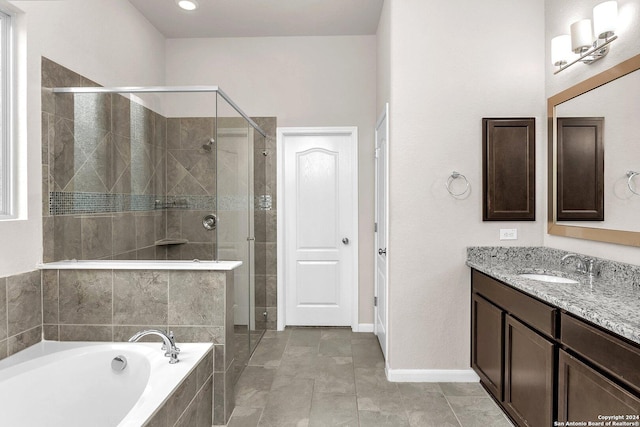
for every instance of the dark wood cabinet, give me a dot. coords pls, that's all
(544, 365)
(614, 356)
(508, 164)
(529, 373)
(515, 363)
(487, 344)
(584, 394)
(580, 163)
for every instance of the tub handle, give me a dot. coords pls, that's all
(119, 363)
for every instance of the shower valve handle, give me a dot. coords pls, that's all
(209, 222)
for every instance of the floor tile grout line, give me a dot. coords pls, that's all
(452, 410)
(355, 384)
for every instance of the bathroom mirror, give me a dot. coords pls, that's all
(615, 96)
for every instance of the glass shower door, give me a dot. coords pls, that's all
(234, 198)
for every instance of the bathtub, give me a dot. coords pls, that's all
(73, 384)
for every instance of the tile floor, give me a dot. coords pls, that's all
(334, 377)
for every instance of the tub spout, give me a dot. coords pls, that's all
(171, 351)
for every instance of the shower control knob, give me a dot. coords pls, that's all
(209, 222)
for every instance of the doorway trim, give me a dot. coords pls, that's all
(382, 128)
(282, 133)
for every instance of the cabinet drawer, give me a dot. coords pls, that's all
(611, 354)
(537, 314)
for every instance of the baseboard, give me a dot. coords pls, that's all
(432, 375)
(364, 327)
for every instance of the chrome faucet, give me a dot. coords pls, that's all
(586, 265)
(169, 346)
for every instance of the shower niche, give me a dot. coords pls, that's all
(139, 173)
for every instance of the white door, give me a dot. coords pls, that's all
(318, 221)
(381, 294)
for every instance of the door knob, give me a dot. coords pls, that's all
(382, 251)
(345, 240)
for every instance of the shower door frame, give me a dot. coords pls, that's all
(162, 89)
(184, 89)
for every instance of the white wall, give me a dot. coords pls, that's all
(303, 81)
(451, 65)
(558, 18)
(383, 44)
(105, 40)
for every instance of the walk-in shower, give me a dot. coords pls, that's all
(162, 173)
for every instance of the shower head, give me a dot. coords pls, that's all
(209, 145)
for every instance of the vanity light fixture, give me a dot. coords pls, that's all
(187, 4)
(581, 45)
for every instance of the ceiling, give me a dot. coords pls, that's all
(263, 18)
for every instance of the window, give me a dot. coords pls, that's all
(6, 175)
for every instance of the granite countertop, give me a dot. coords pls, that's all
(610, 301)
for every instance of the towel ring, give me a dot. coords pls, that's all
(455, 175)
(632, 174)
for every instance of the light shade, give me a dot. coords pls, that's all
(560, 49)
(581, 36)
(187, 4)
(605, 17)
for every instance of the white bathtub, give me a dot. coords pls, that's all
(72, 383)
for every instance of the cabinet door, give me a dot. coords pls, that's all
(580, 169)
(529, 373)
(583, 393)
(486, 344)
(509, 168)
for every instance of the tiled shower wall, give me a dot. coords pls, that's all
(191, 182)
(103, 167)
(265, 157)
(118, 177)
(20, 312)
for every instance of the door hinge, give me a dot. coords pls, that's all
(375, 227)
(375, 301)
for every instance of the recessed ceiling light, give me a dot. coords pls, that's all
(187, 4)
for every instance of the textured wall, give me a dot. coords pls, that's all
(439, 95)
(103, 167)
(20, 312)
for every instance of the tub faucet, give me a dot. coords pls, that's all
(585, 265)
(169, 346)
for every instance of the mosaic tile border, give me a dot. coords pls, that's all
(73, 203)
(68, 203)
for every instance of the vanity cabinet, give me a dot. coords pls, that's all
(599, 375)
(584, 393)
(544, 365)
(512, 349)
(487, 345)
(529, 372)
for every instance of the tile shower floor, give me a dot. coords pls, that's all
(334, 377)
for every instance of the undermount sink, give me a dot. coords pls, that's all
(547, 278)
